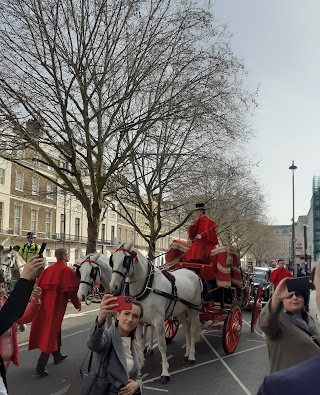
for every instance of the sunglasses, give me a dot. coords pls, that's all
(298, 294)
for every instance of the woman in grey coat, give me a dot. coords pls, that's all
(120, 365)
(292, 335)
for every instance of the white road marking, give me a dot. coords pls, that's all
(184, 346)
(205, 363)
(255, 331)
(62, 337)
(154, 389)
(245, 389)
(144, 376)
(82, 313)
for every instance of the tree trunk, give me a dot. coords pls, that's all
(93, 228)
(152, 250)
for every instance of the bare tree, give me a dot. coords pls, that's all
(83, 82)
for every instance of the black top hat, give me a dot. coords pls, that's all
(200, 206)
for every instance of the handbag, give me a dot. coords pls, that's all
(92, 383)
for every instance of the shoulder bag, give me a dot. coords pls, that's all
(92, 383)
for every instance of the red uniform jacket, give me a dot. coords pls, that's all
(278, 274)
(201, 248)
(59, 284)
(27, 317)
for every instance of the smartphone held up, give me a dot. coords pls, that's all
(42, 248)
(301, 284)
(125, 302)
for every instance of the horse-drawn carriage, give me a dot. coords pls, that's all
(226, 292)
(214, 292)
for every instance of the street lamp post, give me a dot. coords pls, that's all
(293, 168)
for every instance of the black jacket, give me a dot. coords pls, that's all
(13, 309)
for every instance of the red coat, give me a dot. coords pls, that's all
(27, 317)
(279, 274)
(59, 284)
(201, 248)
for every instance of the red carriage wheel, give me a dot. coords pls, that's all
(171, 329)
(232, 329)
(256, 307)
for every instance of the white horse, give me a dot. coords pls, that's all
(158, 297)
(10, 263)
(93, 269)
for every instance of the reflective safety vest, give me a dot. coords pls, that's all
(27, 251)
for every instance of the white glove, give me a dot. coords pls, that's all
(199, 237)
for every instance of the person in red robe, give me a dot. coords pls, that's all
(59, 283)
(203, 235)
(278, 274)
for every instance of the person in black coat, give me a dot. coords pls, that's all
(18, 300)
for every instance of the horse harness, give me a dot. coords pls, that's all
(147, 288)
(93, 273)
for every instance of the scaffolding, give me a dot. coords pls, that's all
(316, 216)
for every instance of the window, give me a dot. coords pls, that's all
(77, 228)
(19, 182)
(35, 160)
(34, 220)
(112, 234)
(17, 220)
(119, 235)
(62, 225)
(103, 232)
(1, 214)
(35, 186)
(1, 176)
(48, 252)
(49, 191)
(126, 233)
(20, 154)
(48, 224)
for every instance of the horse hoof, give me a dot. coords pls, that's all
(164, 379)
(149, 352)
(185, 359)
(191, 361)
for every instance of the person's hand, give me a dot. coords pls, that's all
(281, 292)
(199, 237)
(33, 268)
(36, 293)
(107, 305)
(130, 388)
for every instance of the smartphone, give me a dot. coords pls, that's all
(42, 248)
(125, 302)
(298, 284)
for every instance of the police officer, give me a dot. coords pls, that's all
(30, 248)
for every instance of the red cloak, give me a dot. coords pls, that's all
(278, 275)
(201, 248)
(59, 284)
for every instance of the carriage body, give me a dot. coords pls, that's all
(225, 293)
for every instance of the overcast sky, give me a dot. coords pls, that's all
(279, 41)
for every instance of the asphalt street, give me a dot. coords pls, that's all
(213, 373)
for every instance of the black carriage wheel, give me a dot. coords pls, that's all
(171, 329)
(256, 307)
(232, 329)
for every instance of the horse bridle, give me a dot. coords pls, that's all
(127, 261)
(93, 273)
